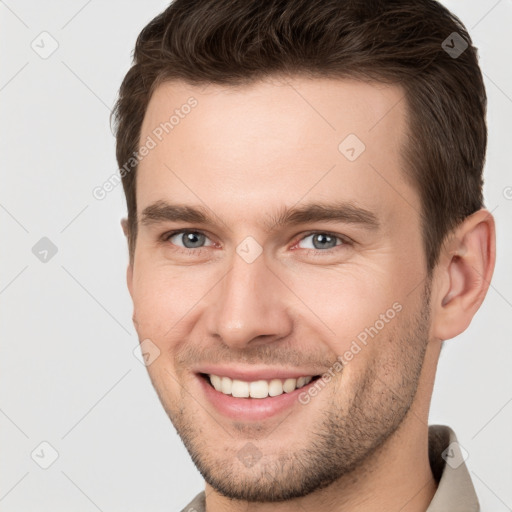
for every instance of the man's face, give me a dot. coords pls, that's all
(244, 292)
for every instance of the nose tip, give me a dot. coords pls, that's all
(249, 307)
(244, 325)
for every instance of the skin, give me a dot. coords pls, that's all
(245, 153)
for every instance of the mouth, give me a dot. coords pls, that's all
(262, 405)
(258, 389)
(253, 394)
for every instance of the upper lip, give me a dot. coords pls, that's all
(252, 374)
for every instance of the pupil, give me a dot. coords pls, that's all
(321, 238)
(189, 238)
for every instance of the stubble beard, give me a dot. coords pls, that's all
(341, 439)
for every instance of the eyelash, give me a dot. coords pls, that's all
(316, 252)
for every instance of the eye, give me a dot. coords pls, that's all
(323, 241)
(190, 239)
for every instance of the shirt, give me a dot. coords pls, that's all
(455, 491)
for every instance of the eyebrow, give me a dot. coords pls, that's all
(343, 212)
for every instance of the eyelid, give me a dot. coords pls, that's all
(345, 239)
(168, 234)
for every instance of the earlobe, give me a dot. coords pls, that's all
(129, 270)
(124, 225)
(129, 279)
(466, 268)
(129, 282)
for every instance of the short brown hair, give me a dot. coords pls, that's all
(403, 42)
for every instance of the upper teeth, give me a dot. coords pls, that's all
(258, 388)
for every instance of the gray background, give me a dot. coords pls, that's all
(69, 376)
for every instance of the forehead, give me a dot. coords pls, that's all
(275, 142)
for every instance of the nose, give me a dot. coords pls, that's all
(249, 305)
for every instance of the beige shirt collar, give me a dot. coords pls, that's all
(455, 491)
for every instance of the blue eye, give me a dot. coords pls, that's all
(191, 239)
(193, 242)
(321, 241)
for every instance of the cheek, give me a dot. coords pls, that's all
(350, 303)
(161, 297)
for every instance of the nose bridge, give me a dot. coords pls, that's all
(248, 303)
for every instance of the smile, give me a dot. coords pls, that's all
(258, 388)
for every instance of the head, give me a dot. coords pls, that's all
(251, 133)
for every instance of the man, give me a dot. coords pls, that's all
(305, 228)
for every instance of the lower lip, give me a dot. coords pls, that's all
(251, 409)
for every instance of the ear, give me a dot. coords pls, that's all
(124, 225)
(129, 270)
(129, 278)
(463, 274)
